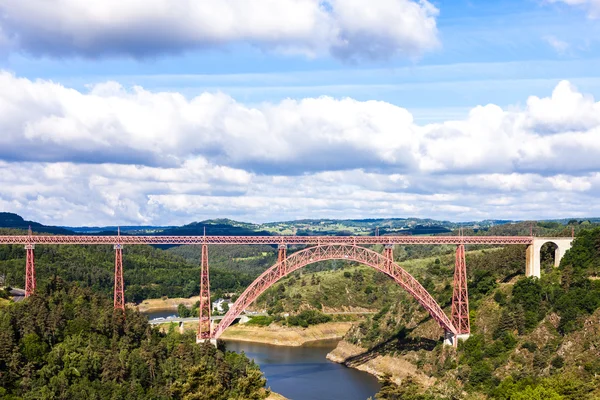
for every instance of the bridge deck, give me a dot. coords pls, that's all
(270, 240)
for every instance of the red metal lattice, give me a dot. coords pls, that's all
(119, 293)
(273, 240)
(460, 296)
(282, 259)
(30, 281)
(29, 271)
(330, 252)
(205, 304)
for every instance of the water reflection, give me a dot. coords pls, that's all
(303, 373)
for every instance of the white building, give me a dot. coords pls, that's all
(219, 305)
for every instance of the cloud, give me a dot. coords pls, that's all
(348, 29)
(592, 6)
(74, 194)
(560, 46)
(112, 124)
(129, 155)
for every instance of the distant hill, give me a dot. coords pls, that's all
(216, 228)
(312, 227)
(14, 221)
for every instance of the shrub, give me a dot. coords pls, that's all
(558, 362)
(260, 320)
(308, 317)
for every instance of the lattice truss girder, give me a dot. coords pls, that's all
(269, 240)
(383, 263)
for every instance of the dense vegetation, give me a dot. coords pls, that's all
(65, 342)
(246, 259)
(531, 338)
(362, 288)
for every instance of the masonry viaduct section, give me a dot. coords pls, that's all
(533, 257)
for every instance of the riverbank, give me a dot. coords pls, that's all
(358, 357)
(276, 396)
(166, 303)
(278, 335)
(286, 336)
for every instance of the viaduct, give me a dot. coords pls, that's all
(318, 248)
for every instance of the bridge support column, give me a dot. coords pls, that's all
(282, 259)
(532, 263)
(204, 322)
(388, 254)
(119, 292)
(460, 296)
(30, 281)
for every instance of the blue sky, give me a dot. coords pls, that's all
(350, 109)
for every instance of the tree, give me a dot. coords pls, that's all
(537, 393)
(98, 354)
(183, 311)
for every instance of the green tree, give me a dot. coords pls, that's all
(537, 393)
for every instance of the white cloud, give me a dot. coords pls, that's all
(112, 124)
(592, 6)
(349, 29)
(117, 155)
(560, 46)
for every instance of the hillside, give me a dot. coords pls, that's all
(251, 260)
(342, 286)
(383, 226)
(66, 343)
(531, 339)
(14, 221)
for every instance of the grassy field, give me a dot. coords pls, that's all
(166, 304)
(286, 336)
(276, 334)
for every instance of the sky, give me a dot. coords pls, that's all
(164, 112)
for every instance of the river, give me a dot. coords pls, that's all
(302, 373)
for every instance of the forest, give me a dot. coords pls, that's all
(67, 342)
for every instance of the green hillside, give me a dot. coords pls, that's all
(66, 343)
(531, 338)
(252, 260)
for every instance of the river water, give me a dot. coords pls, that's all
(303, 373)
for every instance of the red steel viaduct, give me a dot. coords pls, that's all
(319, 248)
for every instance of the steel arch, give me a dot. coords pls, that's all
(331, 252)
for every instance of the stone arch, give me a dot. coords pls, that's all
(335, 252)
(550, 249)
(533, 265)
